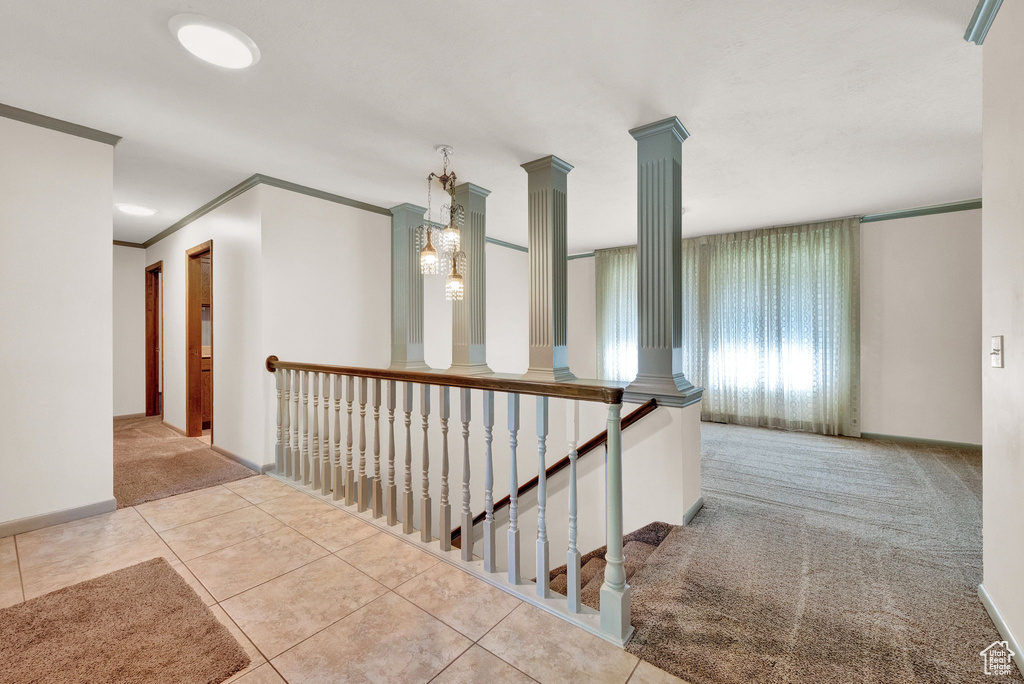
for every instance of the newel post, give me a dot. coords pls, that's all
(615, 593)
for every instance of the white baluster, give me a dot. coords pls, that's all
(543, 557)
(375, 489)
(466, 532)
(363, 501)
(444, 528)
(350, 474)
(489, 555)
(513, 490)
(407, 510)
(295, 470)
(315, 454)
(339, 473)
(286, 467)
(325, 460)
(426, 533)
(392, 489)
(279, 447)
(615, 593)
(572, 556)
(304, 454)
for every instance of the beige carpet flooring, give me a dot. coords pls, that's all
(139, 625)
(820, 559)
(152, 461)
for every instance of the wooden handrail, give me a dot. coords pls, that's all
(588, 446)
(584, 390)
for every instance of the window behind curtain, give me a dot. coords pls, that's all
(615, 273)
(771, 324)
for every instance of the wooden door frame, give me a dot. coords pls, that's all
(154, 338)
(194, 340)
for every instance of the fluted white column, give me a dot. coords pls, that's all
(469, 349)
(659, 265)
(549, 274)
(406, 289)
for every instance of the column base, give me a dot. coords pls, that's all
(549, 375)
(409, 365)
(469, 369)
(675, 390)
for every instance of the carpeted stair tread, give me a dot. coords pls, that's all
(593, 568)
(636, 554)
(559, 584)
(652, 534)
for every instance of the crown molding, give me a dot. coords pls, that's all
(507, 245)
(122, 243)
(251, 182)
(981, 22)
(43, 121)
(963, 205)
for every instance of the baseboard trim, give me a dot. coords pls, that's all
(693, 510)
(173, 427)
(131, 415)
(235, 457)
(1004, 631)
(268, 468)
(920, 440)
(36, 522)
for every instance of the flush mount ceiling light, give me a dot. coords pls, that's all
(214, 41)
(135, 209)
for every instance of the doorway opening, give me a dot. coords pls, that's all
(199, 341)
(155, 340)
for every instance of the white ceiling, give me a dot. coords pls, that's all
(798, 110)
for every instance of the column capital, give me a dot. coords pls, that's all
(545, 162)
(670, 125)
(408, 208)
(471, 189)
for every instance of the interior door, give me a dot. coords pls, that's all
(199, 339)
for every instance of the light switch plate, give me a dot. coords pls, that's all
(996, 355)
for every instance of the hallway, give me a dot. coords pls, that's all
(152, 461)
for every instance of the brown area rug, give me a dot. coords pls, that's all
(142, 624)
(820, 559)
(152, 461)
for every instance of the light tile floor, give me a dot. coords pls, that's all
(315, 594)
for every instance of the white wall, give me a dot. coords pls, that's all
(1003, 314)
(129, 330)
(56, 198)
(326, 289)
(508, 309)
(582, 318)
(238, 357)
(921, 346)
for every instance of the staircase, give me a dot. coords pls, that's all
(637, 548)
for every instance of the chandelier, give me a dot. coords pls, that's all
(441, 242)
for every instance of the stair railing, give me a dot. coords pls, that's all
(321, 466)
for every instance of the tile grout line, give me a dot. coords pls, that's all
(368, 603)
(633, 671)
(483, 648)
(453, 661)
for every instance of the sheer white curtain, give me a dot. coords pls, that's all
(615, 273)
(771, 324)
